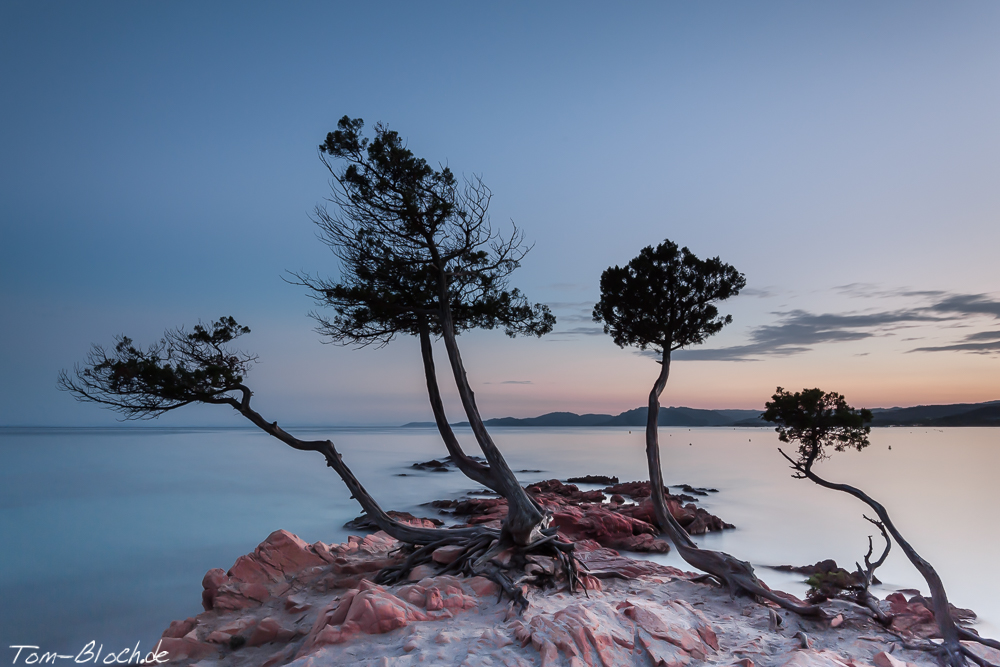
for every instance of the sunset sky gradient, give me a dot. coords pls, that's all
(160, 167)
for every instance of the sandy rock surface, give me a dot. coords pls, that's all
(312, 605)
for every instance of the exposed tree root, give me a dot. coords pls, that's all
(971, 636)
(546, 563)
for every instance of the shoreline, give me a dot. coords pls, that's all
(289, 602)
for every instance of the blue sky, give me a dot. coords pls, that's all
(160, 167)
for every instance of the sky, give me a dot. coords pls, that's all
(160, 167)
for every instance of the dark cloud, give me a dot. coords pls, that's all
(581, 331)
(761, 293)
(968, 304)
(984, 335)
(873, 291)
(797, 331)
(982, 342)
(572, 311)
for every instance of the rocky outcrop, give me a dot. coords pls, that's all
(585, 515)
(914, 617)
(593, 479)
(321, 608)
(373, 610)
(289, 598)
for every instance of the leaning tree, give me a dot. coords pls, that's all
(202, 366)
(418, 256)
(664, 300)
(818, 422)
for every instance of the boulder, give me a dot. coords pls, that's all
(370, 610)
(270, 630)
(178, 629)
(447, 554)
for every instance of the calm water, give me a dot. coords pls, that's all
(108, 532)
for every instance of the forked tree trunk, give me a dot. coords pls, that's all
(950, 632)
(471, 468)
(525, 519)
(401, 531)
(737, 575)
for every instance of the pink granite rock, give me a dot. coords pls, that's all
(673, 632)
(211, 582)
(586, 633)
(369, 610)
(482, 586)
(178, 629)
(270, 630)
(447, 554)
(814, 658)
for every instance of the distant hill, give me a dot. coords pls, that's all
(553, 419)
(958, 414)
(683, 417)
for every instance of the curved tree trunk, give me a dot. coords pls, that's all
(472, 469)
(950, 632)
(525, 519)
(737, 575)
(401, 531)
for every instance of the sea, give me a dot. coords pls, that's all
(107, 532)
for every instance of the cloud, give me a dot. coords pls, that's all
(798, 331)
(873, 291)
(581, 331)
(573, 311)
(761, 293)
(968, 304)
(982, 342)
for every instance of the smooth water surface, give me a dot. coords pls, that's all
(109, 531)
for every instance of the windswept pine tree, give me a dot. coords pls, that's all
(664, 300)
(820, 423)
(418, 256)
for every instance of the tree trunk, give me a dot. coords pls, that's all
(939, 599)
(472, 469)
(401, 531)
(525, 519)
(737, 575)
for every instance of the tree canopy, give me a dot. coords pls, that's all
(817, 421)
(182, 368)
(412, 242)
(664, 298)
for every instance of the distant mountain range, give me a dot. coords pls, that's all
(959, 414)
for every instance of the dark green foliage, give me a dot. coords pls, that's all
(816, 421)
(411, 241)
(664, 298)
(182, 368)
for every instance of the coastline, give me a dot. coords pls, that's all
(290, 602)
